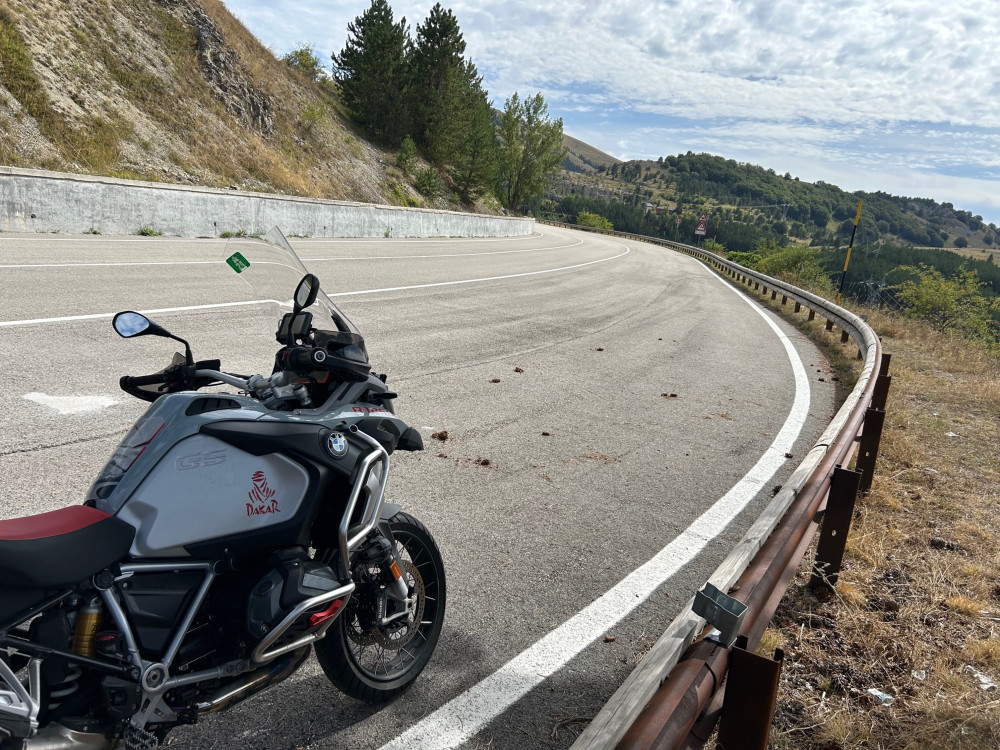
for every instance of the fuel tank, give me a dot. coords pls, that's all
(180, 488)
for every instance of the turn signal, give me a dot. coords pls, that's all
(327, 614)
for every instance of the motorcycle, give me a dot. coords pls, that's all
(229, 534)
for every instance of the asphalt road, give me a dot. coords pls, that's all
(591, 469)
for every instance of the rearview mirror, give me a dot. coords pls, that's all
(128, 324)
(306, 291)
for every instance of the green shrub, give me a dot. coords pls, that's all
(799, 266)
(428, 182)
(149, 232)
(407, 155)
(748, 260)
(587, 219)
(954, 304)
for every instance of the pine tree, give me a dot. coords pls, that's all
(371, 71)
(464, 134)
(437, 55)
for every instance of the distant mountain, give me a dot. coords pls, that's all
(584, 158)
(745, 202)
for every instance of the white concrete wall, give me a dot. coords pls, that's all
(38, 201)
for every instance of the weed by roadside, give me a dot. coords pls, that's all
(149, 232)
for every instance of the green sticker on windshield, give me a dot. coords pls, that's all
(238, 262)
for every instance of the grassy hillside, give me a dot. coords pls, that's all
(745, 202)
(178, 92)
(584, 158)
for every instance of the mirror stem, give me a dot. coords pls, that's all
(187, 349)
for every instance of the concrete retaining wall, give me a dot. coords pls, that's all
(37, 201)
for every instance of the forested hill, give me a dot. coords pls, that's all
(746, 203)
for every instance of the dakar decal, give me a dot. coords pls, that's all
(261, 496)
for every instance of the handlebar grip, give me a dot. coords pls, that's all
(139, 380)
(302, 358)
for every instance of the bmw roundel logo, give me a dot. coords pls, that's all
(337, 444)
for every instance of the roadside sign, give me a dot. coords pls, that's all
(237, 262)
(701, 227)
(677, 221)
(703, 218)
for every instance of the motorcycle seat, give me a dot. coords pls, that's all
(61, 547)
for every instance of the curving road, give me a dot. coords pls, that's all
(592, 471)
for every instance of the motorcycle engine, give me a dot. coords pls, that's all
(293, 579)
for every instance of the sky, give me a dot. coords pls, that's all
(901, 96)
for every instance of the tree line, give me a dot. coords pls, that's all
(423, 94)
(820, 212)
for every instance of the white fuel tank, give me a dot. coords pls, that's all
(204, 489)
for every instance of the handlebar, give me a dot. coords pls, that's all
(136, 381)
(225, 377)
(305, 358)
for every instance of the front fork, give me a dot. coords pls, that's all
(392, 567)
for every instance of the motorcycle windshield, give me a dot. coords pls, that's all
(272, 270)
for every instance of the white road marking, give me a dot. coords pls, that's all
(11, 238)
(317, 260)
(122, 263)
(459, 719)
(99, 316)
(72, 404)
(487, 278)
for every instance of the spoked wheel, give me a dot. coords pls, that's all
(378, 646)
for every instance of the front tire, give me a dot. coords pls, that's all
(372, 663)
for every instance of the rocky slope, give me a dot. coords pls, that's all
(176, 91)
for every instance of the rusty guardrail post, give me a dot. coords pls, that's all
(751, 696)
(836, 525)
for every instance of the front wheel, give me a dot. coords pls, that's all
(374, 660)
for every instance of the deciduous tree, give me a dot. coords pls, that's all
(531, 150)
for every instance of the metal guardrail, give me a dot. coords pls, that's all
(681, 681)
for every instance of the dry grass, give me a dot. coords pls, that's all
(917, 606)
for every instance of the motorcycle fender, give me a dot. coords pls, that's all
(389, 510)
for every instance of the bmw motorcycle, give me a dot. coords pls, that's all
(240, 523)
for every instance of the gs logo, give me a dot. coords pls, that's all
(196, 460)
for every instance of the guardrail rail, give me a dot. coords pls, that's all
(676, 695)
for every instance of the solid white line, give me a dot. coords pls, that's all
(100, 316)
(315, 260)
(414, 240)
(108, 238)
(121, 263)
(459, 719)
(486, 278)
(97, 316)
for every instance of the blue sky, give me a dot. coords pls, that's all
(896, 95)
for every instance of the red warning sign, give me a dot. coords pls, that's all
(701, 227)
